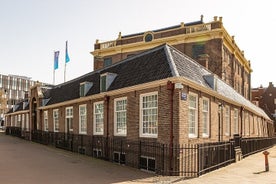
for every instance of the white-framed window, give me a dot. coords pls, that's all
(12, 121)
(227, 121)
(69, 118)
(120, 116)
(82, 119)
(149, 115)
(98, 123)
(19, 120)
(193, 115)
(247, 124)
(23, 122)
(27, 122)
(46, 125)
(205, 117)
(15, 121)
(236, 121)
(55, 120)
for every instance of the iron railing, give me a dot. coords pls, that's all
(187, 160)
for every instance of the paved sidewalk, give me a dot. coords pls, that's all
(26, 162)
(249, 170)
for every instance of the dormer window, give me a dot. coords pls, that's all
(106, 80)
(84, 88)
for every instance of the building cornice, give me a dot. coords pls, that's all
(200, 36)
(149, 85)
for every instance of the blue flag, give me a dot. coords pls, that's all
(67, 59)
(56, 54)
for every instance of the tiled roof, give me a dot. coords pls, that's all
(19, 106)
(188, 68)
(149, 66)
(155, 64)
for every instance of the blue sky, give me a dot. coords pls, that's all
(31, 30)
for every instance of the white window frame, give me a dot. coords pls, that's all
(56, 120)
(236, 121)
(46, 122)
(15, 121)
(227, 120)
(193, 124)
(27, 122)
(205, 118)
(98, 119)
(19, 120)
(120, 117)
(69, 115)
(154, 122)
(82, 119)
(23, 122)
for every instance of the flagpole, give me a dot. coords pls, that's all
(67, 59)
(65, 72)
(54, 70)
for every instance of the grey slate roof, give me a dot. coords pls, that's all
(155, 64)
(193, 71)
(19, 106)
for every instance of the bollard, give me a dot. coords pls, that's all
(266, 153)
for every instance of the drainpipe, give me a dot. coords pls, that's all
(241, 115)
(170, 87)
(106, 100)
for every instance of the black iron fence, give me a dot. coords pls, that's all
(188, 160)
(250, 146)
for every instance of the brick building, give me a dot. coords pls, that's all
(207, 43)
(265, 98)
(161, 96)
(13, 89)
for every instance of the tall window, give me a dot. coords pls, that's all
(69, 118)
(27, 122)
(193, 117)
(149, 115)
(19, 120)
(98, 124)
(236, 121)
(55, 120)
(120, 126)
(82, 119)
(227, 121)
(23, 122)
(205, 118)
(46, 126)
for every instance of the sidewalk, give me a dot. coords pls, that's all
(247, 171)
(26, 162)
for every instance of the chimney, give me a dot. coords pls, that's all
(215, 18)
